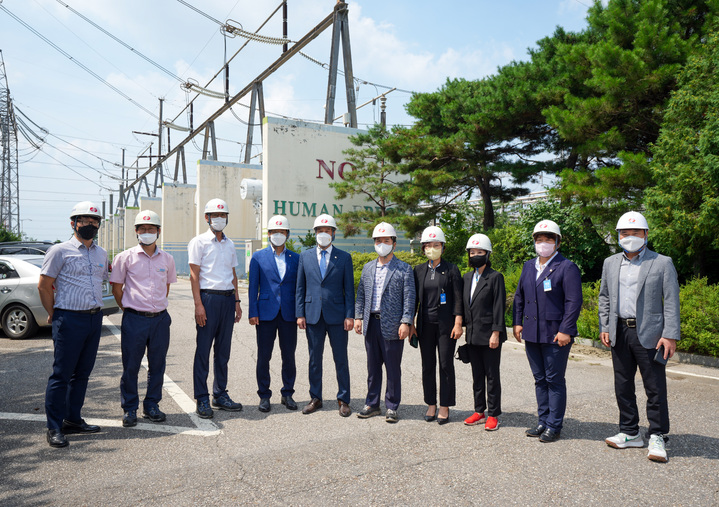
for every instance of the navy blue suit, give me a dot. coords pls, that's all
(272, 299)
(544, 313)
(325, 303)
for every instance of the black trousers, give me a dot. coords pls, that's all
(485, 376)
(431, 342)
(627, 355)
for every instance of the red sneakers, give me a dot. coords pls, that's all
(475, 419)
(491, 424)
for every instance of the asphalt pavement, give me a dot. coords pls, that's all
(288, 458)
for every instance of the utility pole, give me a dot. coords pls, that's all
(9, 191)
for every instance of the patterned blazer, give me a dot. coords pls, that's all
(397, 304)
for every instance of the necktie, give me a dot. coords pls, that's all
(323, 263)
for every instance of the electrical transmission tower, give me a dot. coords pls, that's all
(9, 191)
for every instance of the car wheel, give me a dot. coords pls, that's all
(18, 323)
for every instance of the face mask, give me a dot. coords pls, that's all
(147, 238)
(218, 224)
(477, 261)
(632, 243)
(433, 253)
(544, 249)
(87, 231)
(383, 249)
(278, 239)
(324, 239)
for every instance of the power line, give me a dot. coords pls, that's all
(147, 59)
(76, 62)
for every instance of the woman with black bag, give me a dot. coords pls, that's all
(484, 307)
(439, 323)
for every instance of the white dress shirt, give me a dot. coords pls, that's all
(216, 260)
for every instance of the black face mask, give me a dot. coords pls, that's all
(87, 231)
(477, 261)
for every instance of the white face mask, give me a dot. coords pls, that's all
(383, 249)
(433, 253)
(278, 239)
(324, 239)
(147, 238)
(218, 224)
(544, 249)
(632, 243)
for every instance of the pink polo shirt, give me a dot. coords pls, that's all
(145, 278)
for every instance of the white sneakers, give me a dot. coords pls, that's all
(622, 441)
(657, 451)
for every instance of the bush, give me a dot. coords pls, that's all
(588, 322)
(359, 259)
(511, 281)
(699, 317)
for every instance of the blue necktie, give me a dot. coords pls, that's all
(323, 263)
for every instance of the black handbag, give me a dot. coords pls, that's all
(463, 353)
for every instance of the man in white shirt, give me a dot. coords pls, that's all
(213, 279)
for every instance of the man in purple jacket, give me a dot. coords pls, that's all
(546, 307)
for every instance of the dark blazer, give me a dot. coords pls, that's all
(451, 281)
(268, 293)
(485, 314)
(332, 297)
(544, 314)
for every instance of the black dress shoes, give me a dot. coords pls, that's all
(69, 427)
(442, 420)
(314, 405)
(264, 405)
(56, 439)
(344, 408)
(549, 435)
(535, 432)
(288, 402)
(129, 419)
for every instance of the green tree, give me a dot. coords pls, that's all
(6, 235)
(376, 177)
(683, 206)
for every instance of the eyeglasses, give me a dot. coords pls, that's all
(88, 221)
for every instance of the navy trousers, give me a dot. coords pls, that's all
(140, 334)
(76, 337)
(485, 376)
(627, 354)
(389, 353)
(548, 362)
(216, 335)
(267, 331)
(316, 344)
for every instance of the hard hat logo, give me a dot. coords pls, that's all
(632, 220)
(324, 220)
(220, 206)
(146, 217)
(94, 210)
(432, 235)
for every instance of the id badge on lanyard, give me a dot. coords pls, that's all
(443, 298)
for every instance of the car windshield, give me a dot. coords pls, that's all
(35, 262)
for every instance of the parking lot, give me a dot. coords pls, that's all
(285, 457)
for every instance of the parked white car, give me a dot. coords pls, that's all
(21, 311)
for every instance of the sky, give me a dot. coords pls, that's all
(414, 46)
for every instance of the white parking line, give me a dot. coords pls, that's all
(680, 372)
(205, 427)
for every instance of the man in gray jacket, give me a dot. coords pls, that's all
(639, 320)
(384, 308)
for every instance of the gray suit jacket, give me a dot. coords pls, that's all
(398, 295)
(657, 299)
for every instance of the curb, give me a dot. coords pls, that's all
(679, 357)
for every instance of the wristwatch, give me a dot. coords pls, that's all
(238, 301)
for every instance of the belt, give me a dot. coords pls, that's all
(92, 311)
(375, 316)
(218, 292)
(144, 314)
(628, 322)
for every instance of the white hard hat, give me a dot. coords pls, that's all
(147, 217)
(479, 241)
(546, 227)
(632, 220)
(325, 220)
(384, 230)
(216, 206)
(278, 222)
(432, 233)
(85, 209)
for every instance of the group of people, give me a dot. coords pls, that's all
(430, 305)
